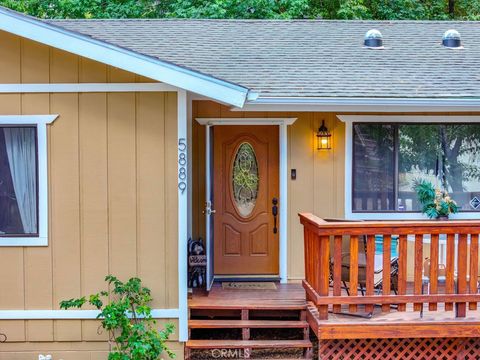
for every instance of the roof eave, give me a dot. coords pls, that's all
(131, 61)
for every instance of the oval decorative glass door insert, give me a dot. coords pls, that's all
(245, 179)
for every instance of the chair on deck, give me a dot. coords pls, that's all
(441, 277)
(362, 272)
(362, 268)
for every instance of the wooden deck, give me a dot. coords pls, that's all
(241, 313)
(270, 309)
(285, 297)
(394, 324)
(435, 305)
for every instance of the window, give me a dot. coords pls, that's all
(18, 181)
(23, 180)
(245, 179)
(387, 158)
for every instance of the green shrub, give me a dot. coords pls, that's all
(125, 314)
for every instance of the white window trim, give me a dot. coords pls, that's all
(40, 121)
(349, 119)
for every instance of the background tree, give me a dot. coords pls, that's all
(251, 9)
(85, 9)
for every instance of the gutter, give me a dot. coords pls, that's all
(361, 104)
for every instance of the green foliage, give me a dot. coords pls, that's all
(353, 9)
(245, 9)
(126, 316)
(85, 9)
(251, 9)
(435, 202)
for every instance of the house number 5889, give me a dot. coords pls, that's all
(182, 165)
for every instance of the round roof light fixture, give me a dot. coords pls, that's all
(451, 39)
(373, 39)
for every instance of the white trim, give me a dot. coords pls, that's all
(73, 314)
(245, 121)
(189, 168)
(345, 104)
(409, 118)
(406, 216)
(182, 222)
(348, 170)
(349, 120)
(27, 119)
(208, 215)
(40, 121)
(85, 87)
(283, 176)
(283, 203)
(151, 67)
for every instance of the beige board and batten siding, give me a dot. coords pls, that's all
(112, 199)
(320, 184)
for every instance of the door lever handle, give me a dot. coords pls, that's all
(208, 209)
(275, 213)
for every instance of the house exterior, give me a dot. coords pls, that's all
(145, 133)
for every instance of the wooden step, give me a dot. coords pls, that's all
(236, 313)
(250, 305)
(241, 324)
(251, 344)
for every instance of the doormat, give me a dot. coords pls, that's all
(249, 285)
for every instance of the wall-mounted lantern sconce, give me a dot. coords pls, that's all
(324, 138)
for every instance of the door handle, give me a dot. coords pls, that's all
(274, 213)
(208, 209)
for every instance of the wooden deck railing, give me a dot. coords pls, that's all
(327, 275)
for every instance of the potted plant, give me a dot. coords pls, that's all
(437, 204)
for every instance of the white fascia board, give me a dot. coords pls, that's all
(386, 105)
(109, 54)
(73, 314)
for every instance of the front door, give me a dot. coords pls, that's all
(245, 181)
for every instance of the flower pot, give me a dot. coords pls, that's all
(442, 217)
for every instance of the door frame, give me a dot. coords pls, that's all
(282, 124)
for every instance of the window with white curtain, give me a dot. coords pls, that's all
(18, 181)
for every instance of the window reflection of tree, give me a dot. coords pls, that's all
(388, 157)
(448, 152)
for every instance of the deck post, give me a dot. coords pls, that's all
(323, 274)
